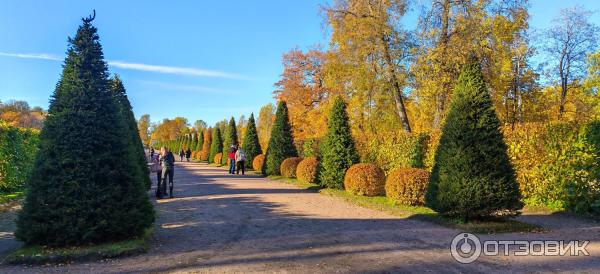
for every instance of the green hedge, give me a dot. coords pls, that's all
(402, 150)
(17, 152)
(558, 165)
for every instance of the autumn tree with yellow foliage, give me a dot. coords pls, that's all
(370, 52)
(302, 87)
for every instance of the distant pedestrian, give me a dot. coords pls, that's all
(188, 154)
(151, 153)
(181, 154)
(156, 168)
(240, 159)
(231, 157)
(167, 161)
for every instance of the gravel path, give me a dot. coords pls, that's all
(223, 223)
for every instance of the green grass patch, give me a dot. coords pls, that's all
(11, 196)
(489, 226)
(544, 210)
(295, 182)
(44, 255)
(422, 213)
(380, 203)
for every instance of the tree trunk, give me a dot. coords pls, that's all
(440, 98)
(563, 96)
(517, 115)
(563, 86)
(400, 108)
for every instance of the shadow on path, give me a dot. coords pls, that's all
(230, 223)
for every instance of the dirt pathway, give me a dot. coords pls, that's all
(223, 223)
(8, 215)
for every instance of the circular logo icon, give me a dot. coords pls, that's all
(465, 248)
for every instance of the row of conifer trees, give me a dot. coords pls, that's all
(206, 144)
(472, 176)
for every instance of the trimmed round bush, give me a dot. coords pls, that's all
(218, 158)
(407, 186)
(288, 167)
(307, 170)
(258, 162)
(365, 179)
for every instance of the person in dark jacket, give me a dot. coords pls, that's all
(167, 162)
(188, 154)
(181, 154)
(158, 170)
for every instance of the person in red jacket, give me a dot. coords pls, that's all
(231, 157)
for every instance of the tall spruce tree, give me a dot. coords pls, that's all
(338, 152)
(281, 144)
(85, 187)
(230, 139)
(125, 110)
(472, 176)
(200, 141)
(194, 142)
(187, 142)
(216, 146)
(251, 144)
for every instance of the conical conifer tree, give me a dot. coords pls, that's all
(85, 187)
(200, 141)
(338, 152)
(281, 144)
(125, 110)
(194, 142)
(206, 144)
(230, 138)
(216, 146)
(187, 142)
(251, 144)
(472, 175)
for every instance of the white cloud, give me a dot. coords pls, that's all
(187, 88)
(138, 66)
(173, 70)
(32, 56)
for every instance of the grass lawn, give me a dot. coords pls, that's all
(11, 196)
(382, 203)
(43, 255)
(8, 201)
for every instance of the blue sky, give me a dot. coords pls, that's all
(198, 59)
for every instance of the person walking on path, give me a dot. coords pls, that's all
(151, 153)
(181, 154)
(156, 168)
(188, 154)
(231, 157)
(167, 162)
(240, 159)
